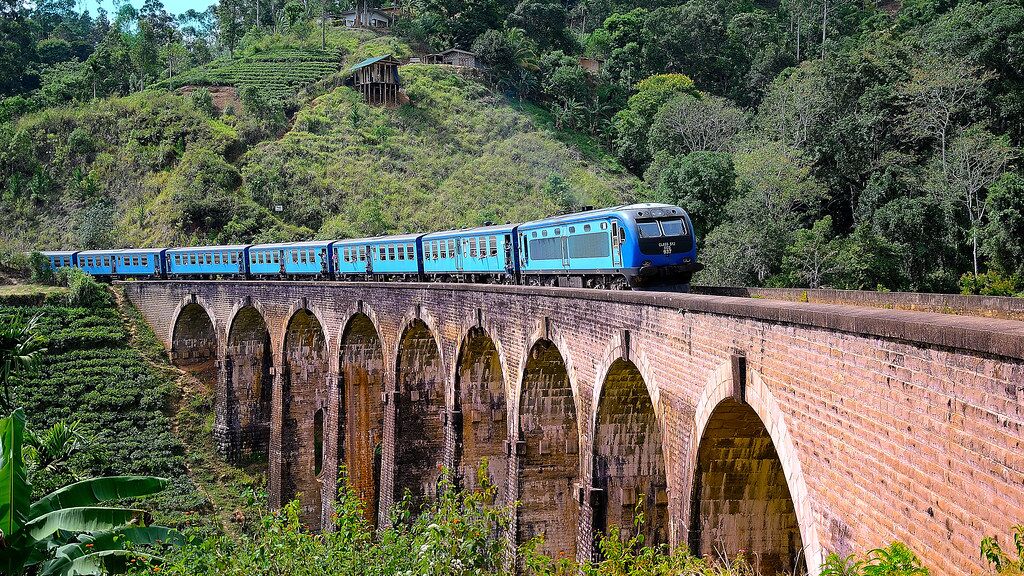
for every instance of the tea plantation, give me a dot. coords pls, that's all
(92, 374)
(278, 73)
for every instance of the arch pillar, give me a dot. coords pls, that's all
(274, 467)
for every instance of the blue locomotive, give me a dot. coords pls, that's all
(635, 246)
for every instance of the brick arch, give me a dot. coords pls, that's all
(480, 409)
(627, 456)
(239, 305)
(421, 409)
(295, 308)
(304, 393)
(246, 398)
(545, 331)
(363, 374)
(777, 474)
(194, 343)
(548, 450)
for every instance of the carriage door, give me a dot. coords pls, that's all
(616, 245)
(369, 259)
(565, 247)
(459, 244)
(508, 254)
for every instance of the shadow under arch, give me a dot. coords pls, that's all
(420, 413)
(479, 423)
(304, 401)
(549, 456)
(748, 488)
(194, 339)
(248, 401)
(361, 380)
(628, 468)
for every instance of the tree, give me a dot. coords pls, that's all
(690, 38)
(544, 19)
(703, 183)
(814, 257)
(774, 188)
(795, 105)
(231, 24)
(688, 123)
(632, 124)
(1004, 234)
(975, 160)
(940, 92)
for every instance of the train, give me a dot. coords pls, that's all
(634, 246)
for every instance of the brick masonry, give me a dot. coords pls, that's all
(871, 424)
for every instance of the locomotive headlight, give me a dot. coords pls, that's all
(657, 213)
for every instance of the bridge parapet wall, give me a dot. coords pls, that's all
(885, 424)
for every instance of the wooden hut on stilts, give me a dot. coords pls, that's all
(376, 79)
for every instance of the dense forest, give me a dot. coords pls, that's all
(815, 143)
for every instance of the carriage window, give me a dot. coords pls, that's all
(391, 253)
(586, 227)
(604, 225)
(544, 233)
(648, 229)
(216, 257)
(135, 261)
(276, 257)
(673, 227)
(494, 245)
(311, 256)
(346, 254)
(472, 248)
(572, 229)
(451, 248)
(558, 231)
(145, 260)
(302, 257)
(362, 254)
(193, 259)
(410, 250)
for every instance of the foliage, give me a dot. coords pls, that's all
(41, 272)
(84, 290)
(1000, 560)
(991, 283)
(21, 350)
(895, 559)
(65, 532)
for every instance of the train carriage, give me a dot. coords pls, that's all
(291, 260)
(206, 261)
(484, 254)
(97, 262)
(145, 262)
(351, 259)
(394, 257)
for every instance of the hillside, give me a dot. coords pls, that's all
(159, 168)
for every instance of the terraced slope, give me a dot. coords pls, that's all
(279, 73)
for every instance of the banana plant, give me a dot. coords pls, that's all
(65, 532)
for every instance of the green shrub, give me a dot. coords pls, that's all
(84, 290)
(39, 267)
(16, 263)
(991, 283)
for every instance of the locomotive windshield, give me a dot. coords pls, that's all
(657, 228)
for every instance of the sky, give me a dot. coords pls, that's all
(172, 6)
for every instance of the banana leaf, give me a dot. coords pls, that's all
(15, 491)
(98, 563)
(88, 553)
(96, 490)
(83, 519)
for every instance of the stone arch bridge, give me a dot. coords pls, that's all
(784, 429)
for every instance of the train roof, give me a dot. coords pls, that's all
(380, 239)
(496, 228)
(306, 243)
(629, 211)
(58, 252)
(209, 248)
(122, 251)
